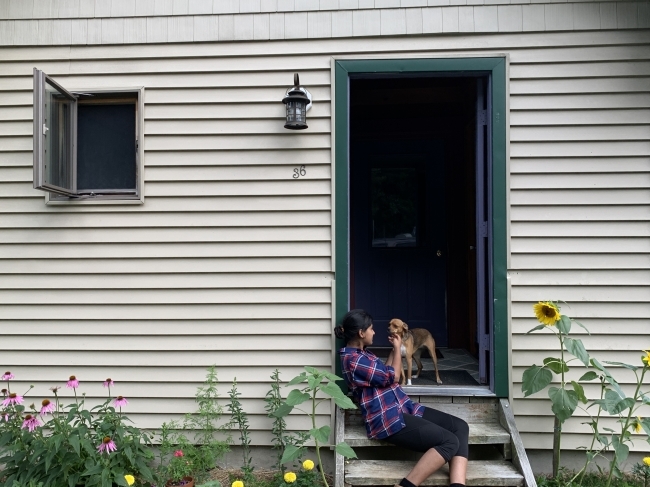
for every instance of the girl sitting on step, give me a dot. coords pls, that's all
(389, 414)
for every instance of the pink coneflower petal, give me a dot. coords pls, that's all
(30, 423)
(47, 406)
(121, 401)
(73, 383)
(107, 445)
(12, 400)
(7, 376)
(109, 382)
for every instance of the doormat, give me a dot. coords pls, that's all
(448, 378)
(382, 352)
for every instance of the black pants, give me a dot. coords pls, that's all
(435, 429)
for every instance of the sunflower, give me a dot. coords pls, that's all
(547, 313)
(646, 359)
(637, 425)
(646, 460)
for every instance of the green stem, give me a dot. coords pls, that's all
(557, 425)
(582, 472)
(313, 423)
(626, 425)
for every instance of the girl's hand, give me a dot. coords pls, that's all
(396, 342)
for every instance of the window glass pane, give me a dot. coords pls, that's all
(58, 140)
(394, 193)
(106, 154)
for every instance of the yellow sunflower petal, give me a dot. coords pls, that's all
(547, 313)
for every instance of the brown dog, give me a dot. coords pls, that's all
(412, 343)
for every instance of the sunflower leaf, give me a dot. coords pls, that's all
(580, 392)
(627, 366)
(591, 375)
(564, 402)
(538, 327)
(535, 379)
(575, 347)
(581, 325)
(556, 365)
(564, 324)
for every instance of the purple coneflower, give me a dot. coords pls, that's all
(30, 423)
(109, 382)
(121, 401)
(107, 445)
(47, 406)
(55, 389)
(12, 400)
(7, 376)
(178, 453)
(73, 383)
(4, 391)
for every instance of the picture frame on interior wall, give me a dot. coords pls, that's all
(88, 144)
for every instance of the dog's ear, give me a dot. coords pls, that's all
(406, 327)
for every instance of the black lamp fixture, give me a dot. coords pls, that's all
(297, 101)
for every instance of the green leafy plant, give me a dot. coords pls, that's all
(614, 402)
(564, 398)
(65, 446)
(239, 419)
(281, 438)
(198, 436)
(641, 472)
(317, 381)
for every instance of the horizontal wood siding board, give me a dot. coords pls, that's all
(229, 259)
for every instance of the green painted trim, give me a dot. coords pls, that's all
(341, 198)
(500, 350)
(497, 68)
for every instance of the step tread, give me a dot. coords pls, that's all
(390, 472)
(479, 434)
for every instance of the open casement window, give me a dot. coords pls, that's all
(86, 144)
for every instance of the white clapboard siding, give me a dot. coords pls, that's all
(229, 261)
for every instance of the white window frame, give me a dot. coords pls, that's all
(69, 195)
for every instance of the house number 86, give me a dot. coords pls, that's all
(299, 171)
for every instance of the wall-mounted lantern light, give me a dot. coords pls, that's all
(297, 101)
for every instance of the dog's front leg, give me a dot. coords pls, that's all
(409, 369)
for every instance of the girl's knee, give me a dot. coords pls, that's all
(449, 448)
(462, 428)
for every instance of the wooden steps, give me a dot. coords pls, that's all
(479, 472)
(479, 434)
(497, 456)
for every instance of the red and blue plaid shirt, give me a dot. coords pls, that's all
(382, 401)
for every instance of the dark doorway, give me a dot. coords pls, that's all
(413, 203)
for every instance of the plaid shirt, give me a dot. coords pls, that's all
(373, 384)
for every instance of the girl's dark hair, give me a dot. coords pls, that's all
(354, 321)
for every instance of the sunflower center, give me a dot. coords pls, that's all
(549, 311)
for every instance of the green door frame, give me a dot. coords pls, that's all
(494, 66)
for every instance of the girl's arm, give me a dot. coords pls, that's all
(396, 363)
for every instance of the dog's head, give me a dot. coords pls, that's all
(397, 327)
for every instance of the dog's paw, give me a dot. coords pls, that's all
(439, 381)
